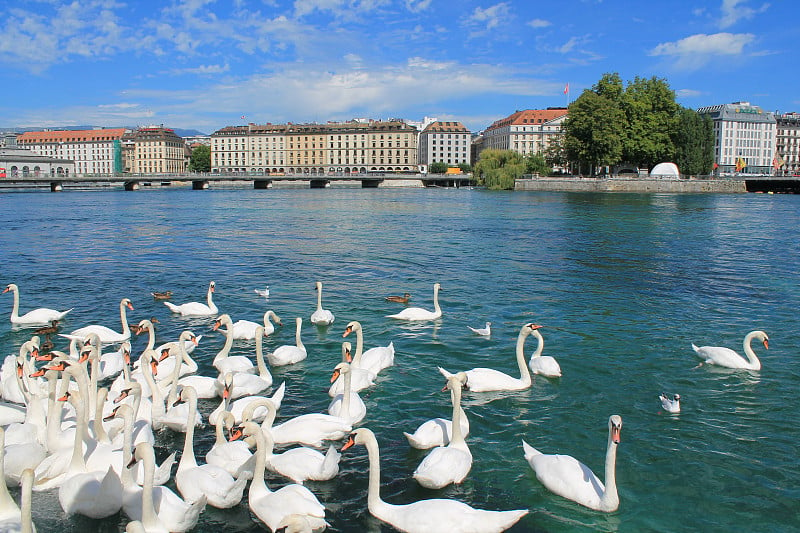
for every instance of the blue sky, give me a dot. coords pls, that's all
(200, 64)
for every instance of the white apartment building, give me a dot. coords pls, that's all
(744, 138)
(95, 152)
(526, 132)
(445, 142)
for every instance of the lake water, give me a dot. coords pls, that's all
(622, 284)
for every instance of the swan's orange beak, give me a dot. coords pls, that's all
(615, 434)
(60, 367)
(195, 341)
(347, 356)
(64, 398)
(154, 367)
(335, 375)
(217, 325)
(126, 355)
(111, 416)
(766, 344)
(122, 395)
(536, 326)
(351, 440)
(44, 357)
(130, 306)
(348, 330)
(6, 290)
(37, 374)
(164, 354)
(84, 356)
(236, 434)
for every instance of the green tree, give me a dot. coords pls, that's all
(497, 169)
(555, 154)
(536, 164)
(593, 131)
(437, 167)
(200, 160)
(466, 168)
(651, 113)
(694, 143)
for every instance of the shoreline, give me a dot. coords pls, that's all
(630, 185)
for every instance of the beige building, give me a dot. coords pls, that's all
(526, 132)
(158, 150)
(445, 142)
(352, 147)
(787, 145)
(95, 152)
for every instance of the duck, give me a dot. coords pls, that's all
(485, 331)
(48, 330)
(106, 334)
(670, 405)
(360, 378)
(418, 313)
(207, 481)
(289, 354)
(36, 317)
(196, 308)
(166, 295)
(437, 431)
(451, 463)
(224, 362)
(272, 506)
(438, 515)
(399, 299)
(569, 478)
(374, 359)
(246, 329)
(347, 405)
(137, 328)
(488, 379)
(321, 317)
(159, 509)
(544, 365)
(721, 356)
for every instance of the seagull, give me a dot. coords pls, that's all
(264, 293)
(485, 331)
(671, 406)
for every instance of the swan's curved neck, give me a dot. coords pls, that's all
(436, 307)
(210, 299)
(359, 346)
(263, 371)
(123, 316)
(187, 458)
(77, 463)
(15, 308)
(755, 362)
(258, 482)
(26, 499)
(156, 398)
(176, 373)
(457, 436)
(226, 348)
(151, 337)
(346, 398)
(99, 430)
(297, 337)
(7, 503)
(374, 501)
(525, 373)
(127, 442)
(319, 297)
(149, 517)
(539, 343)
(610, 498)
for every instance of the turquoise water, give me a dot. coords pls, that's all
(622, 283)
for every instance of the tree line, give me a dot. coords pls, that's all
(638, 123)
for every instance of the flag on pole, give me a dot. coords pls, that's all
(740, 164)
(566, 88)
(242, 117)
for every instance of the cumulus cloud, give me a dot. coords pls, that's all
(483, 21)
(539, 23)
(734, 10)
(696, 51)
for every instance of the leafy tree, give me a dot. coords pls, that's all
(651, 113)
(555, 154)
(694, 143)
(536, 164)
(437, 167)
(200, 160)
(466, 168)
(497, 169)
(593, 131)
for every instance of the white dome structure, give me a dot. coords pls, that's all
(665, 170)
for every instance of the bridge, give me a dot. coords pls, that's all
(203, 181)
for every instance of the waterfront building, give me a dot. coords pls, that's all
(526, 132)
(158, 150)
(95, 151)
(787, 145)
(16, 162)
(445, 142)
(744, 138)
(353, 147)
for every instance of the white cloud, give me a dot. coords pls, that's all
(696, 51)
(416, 6)
(733, 11)
(483, 21)
(203, 69)
(539, 23)
(688, 93)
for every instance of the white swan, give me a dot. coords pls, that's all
(196, 308)
(204, 481)
(134, 474)
(223, 361)
(426, 516)
(95, 494)
(299, 463)
(566, 476)
(360, 378)
(37, 317)
(321, 317)
(234, 456)
(309, 428)
(159, 509)
(418, 313)
(106, 334)
(487, 379)
(289, 354)
(15, 518)
(485, 331)
(272, 506)
(721, 356)
(245, 384)
(448, 464)
(374, 359)
(544, 365)
(670, 405)
(247, 329)
(348, 404)
(238, 407)
(437, 431)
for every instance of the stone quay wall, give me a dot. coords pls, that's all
(630, 185)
